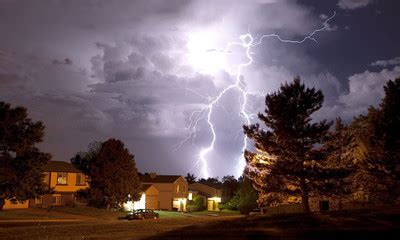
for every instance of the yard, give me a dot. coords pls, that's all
(88, 223)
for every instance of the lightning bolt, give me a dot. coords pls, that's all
(246, 41)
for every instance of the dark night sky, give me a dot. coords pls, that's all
(137, 70)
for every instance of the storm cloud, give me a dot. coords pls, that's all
(92, 70)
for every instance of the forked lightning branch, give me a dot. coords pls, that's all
(247, 42)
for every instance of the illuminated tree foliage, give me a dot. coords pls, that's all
(21, 162)
(377, 151)
(291, 161)
(112, 172)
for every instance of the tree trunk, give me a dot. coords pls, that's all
(304, 196)
(2, 203)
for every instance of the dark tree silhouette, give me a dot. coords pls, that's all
(190, 178)
(82, 160)
(230, 185)
(297, 166)
(113, 174)
(212, 182)
(21, 162)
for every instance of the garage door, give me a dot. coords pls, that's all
(210, 205)
(152, 201)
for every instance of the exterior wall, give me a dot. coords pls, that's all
(183, 188)
(165, 195)
(167, 192)
(152, 198)
(66, 193)
(71, 185)
(9, 205)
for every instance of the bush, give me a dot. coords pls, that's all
(245, 199)
(232, 204)
(196, 205)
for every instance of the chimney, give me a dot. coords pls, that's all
(152, 175)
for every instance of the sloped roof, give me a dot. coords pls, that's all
(59, 166)
(159, 178)
(146, 186)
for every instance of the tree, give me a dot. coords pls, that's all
(339, 153)
(230, 185)
(190, 178)
(289, 158)
(245, 198)
(377, 152)
(82, 160)
(21, 162)
(212, 182)
(113, 175)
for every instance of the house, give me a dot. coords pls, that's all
(148, 199)
(211, 196)
(64, 179)
(173, 190)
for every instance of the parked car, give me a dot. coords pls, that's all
(254, 212)
(142, 214)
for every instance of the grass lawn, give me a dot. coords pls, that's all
(216, 213)
(30, 213)
(91, 212)
(383, 223)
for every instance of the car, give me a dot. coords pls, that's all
(142, 214)
(254, 212)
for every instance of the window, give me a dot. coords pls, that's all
(39, 200)
(62, 178)
(80, 179)
(184, 189)
(177, 188)
(56, 200)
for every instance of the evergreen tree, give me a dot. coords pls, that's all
(290, 159)
(21, 162)
(339, 153)
(377, 152)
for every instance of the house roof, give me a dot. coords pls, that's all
(159, 178)
(146, 186)
(59, 166)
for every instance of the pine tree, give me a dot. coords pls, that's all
(377, 152)
(290, 160)
(21, 162)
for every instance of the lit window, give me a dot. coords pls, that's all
(190, 196)
(62, 178)
(39, 200)
(80, 179)
(177, 188)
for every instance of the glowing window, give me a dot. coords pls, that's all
(177, 188)
(62, 178)
(190, 197)
(39, 200)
